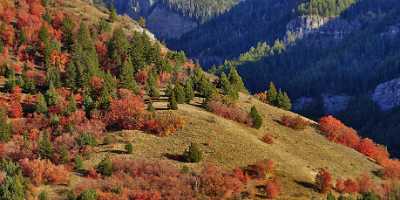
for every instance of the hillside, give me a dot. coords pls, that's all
(93, 107)
(171, 18)
(350, 46)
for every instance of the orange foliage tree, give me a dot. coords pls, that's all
(323, 181)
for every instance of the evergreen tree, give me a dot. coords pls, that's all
(11, 79)
(227, 88)
(5, 128)
(71, 76)
(152, 86)
(78, 163)
(285, 102)
(88, 104)
(150, 107)
(193, 154)
(179, 92)
(169, 90)
(129, 148)
(118, 47)
(41, 104)
(45, 147)
(330, 197)
(53, 76)
(29, 85)
(272, 94)
(189, 93)
(51, 95)
(173, 105)
(105, 167)
(113, 14)
(85, 52)
(256, 117)
(64, 154)
(71, 107)
(13, 187)
(235, 80)
(126, 77)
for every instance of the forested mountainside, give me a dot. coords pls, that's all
(171, 18)
(92, 107)
(338, 57)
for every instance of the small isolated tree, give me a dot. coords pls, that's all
(272, 94)
(113, 14)
(193, 154)
(129, 148)
(41, 104)
(235, 80)
(256, 117)
(323, 181)
(78, 163)
(105, 167)
(173, 105)
(189, 92)
(179, 94)
(283, 101)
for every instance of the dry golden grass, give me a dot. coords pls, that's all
(298, 154)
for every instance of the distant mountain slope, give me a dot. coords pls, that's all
(172, 18)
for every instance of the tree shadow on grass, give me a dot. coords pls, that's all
(176, 157)
(305, 184)
(114, 151)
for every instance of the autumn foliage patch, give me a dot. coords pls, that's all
(229, 112)
(43, 171)
(296, 123)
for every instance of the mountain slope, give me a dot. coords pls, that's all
(172, 18)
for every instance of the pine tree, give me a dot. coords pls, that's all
(193, 154)
(11, 79)
(43, 196)
(105, 167)
(113, 14)
(173, 105)
(256, 117)
(71, 76)
(235, 80)
(5, 128)
(118, 47)
(189, 93)
(71, 107)
(78, 163)
(45, 147)
(126, 77)
(129, 148)
(53, 76)
(179, 92)
(41, 104)
(330, 197)
(150, 107)
(51, 95)
(224, 84)
(285, 102)
(272, 94)
(152, 86)
(88, 104)
(86, 52)
(169, 90)
(64, 154)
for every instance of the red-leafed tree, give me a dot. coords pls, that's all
(323, 181)
(351, 186)
(365, 183)
(126, 113)
(339, 186)
(15, 110)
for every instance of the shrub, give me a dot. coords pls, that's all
(296, 123)
(78, 163)
(125, 113)
(109, 139)
(260, 169)
(129, 148)
(43, 196)
(164, 124)
(337, 132)
(44, 171)
(105, 167)
(267, 138)
(351, 186)
(86, 140)
(229, 112)
(193, 154)
(256, 118)
(272, 189)
(88, 195)
(323, 181)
